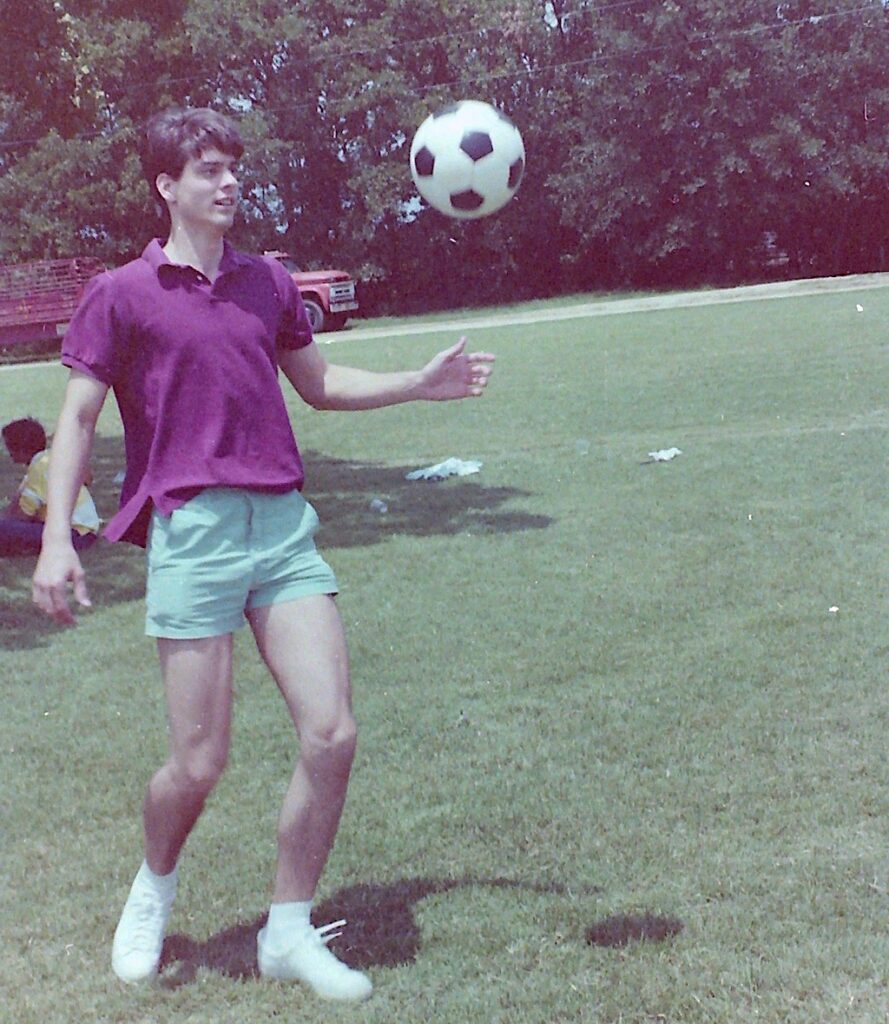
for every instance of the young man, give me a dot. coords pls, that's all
(190, 338)
(21, 526)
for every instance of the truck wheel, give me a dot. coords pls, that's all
(316, 315)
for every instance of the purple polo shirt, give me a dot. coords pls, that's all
(193, 366)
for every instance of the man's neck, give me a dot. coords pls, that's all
(200, 250)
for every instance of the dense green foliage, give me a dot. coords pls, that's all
(704, 141)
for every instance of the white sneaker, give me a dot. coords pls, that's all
(308, 959)
(139, 937)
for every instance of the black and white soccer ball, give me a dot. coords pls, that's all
(467, 159)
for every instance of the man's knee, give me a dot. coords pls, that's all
(200, 770)
(331, 743)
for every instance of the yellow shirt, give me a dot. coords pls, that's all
(32, 498)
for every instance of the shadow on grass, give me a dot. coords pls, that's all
(340, 490)
(622, 929)
(381, 932)
(115, 572)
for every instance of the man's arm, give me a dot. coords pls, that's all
(58, 564)
(451, 374)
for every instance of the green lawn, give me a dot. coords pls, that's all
(590, 687)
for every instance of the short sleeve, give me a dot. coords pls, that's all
(92, 343)
(33, 489)
(294, 330)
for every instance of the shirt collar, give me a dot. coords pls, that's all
(155, 256)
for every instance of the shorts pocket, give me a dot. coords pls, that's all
(196, 530)
(310, 522)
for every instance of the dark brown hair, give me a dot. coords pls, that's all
(25, 435)
(177, 135)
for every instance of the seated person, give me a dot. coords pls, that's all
(21, 525)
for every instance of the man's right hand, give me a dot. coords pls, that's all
(58, 567)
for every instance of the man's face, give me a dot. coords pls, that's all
(206, 193)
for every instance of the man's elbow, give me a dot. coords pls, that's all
(86, 417)
(317, 398)
(83, 403)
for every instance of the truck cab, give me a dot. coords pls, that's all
(329, 295)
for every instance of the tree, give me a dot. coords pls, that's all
(701, 128)
(666, 142)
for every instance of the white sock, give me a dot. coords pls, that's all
(164, 885)
(285, 919)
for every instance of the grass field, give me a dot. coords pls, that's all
(594, 692)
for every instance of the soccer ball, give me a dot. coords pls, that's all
(467, 159)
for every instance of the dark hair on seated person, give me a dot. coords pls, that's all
(179, 134)
(26, 435)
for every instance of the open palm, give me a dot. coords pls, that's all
(454, 373)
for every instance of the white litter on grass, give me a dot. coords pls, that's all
(859, 307)
(378, 505)
(665, 454)
(441, 470)
(833, 609)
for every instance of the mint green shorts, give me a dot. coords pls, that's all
(226, 552)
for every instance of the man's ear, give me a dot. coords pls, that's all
(165, 184)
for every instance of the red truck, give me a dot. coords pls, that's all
(329, 295)
(38, 299)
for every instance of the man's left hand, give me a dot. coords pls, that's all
(454, 373)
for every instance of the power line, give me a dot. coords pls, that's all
(320, 56)
(701, 38)
(332, 55)
(333, 102)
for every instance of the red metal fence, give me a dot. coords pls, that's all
(44, 291)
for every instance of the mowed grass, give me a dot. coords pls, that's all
(591, 689)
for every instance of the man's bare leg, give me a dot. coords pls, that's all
(304, 646)
(198, 685)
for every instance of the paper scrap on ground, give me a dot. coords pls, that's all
(450, 467)
(665, 454)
